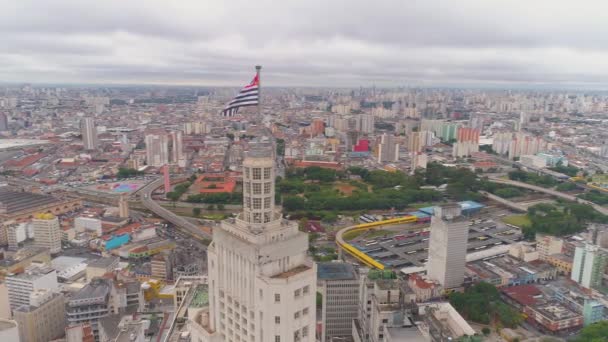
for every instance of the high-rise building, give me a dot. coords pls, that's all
(588, 265)
(89, 133)
(47, 232)
(467, 142)
(157, 149)
(3, 122)
(177, 148)
(365, 123)
(44, 319)
(261, 281)
(388, 149)
(448, 246)
(123, 206)
(21, 285)
(339, 284)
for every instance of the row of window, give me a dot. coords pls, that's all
(297, 335)
(257, 188)
(256, 203)
(256, 172)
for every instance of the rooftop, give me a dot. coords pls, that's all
(15, 201)
(6, 324)
(97, 288)
(200, 298)
(335, 271)
(292, 272)
(104, 262)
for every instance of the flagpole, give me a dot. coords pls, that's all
(257, 72)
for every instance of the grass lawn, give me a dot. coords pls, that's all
(371, 233)
(421, 205)
(517, 220)
(352, 234)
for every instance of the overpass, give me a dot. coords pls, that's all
(505, 202)
(551, 192)
(147, 201)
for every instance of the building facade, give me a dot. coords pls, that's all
(44, 319)
(339, 285)
(261, 281)
(448, 246)
(588, 265)
(157, 150)
(47, 232)
(20, 286)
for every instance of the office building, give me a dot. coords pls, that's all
(44, 319)
(157, 149)
(9, 331)
(339, 284)
(47, 232)
(261, 281)
(448, 246)
(588, 265)
(90, 304)
(89, 133)
(20, 286)
(388, 149)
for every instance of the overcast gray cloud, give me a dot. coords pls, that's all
(309, 42)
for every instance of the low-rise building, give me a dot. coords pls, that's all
(20, 286)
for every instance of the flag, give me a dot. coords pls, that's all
(248, 96)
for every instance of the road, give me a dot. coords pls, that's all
(565, 196)
(147, 201)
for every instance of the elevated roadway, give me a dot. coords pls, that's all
(147, 201)
(551, 192)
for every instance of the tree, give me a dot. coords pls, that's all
(220, 206)
(595, 332)
(173, 196)
(196, 211)
(486, 331)
(210, 207)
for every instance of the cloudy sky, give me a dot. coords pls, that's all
(555, 43)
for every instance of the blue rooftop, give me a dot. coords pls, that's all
(335, 271)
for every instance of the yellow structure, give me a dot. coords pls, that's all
(364, 258)
(44, 216)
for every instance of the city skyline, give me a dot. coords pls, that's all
(469, 44)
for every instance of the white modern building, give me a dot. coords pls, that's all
(88, 223)
(588, 265)
(262, 284)
(388, 149)
(47, 232)
(157, 149)
(21, 286)
(89, 133)
(177, 148)
(448, 246)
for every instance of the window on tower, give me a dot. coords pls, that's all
(257, 173)
(266, 173)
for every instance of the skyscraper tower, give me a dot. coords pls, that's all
(261, 281)
(123, 206)
(3, 122)
(177, 148)
(157, 149)
(89, 133)
(448, 246)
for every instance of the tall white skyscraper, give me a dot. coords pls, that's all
(89, 133)
(448, 246)
(47, 232)
(157, 149)
(261, 282)
(588, 265)
(177, 148)
(388, 149)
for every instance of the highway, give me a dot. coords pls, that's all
(562, 195)
(147, 201)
